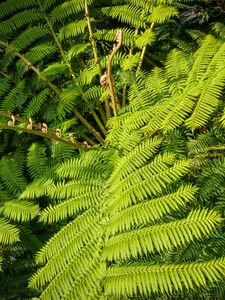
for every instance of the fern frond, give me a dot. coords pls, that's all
(176, 66)
(11, 101)
(12, 176)
(147, 181)
(35, 104)
(72, 30)
(4, 87)
(53, 71)
(109, 35)
(29, 36)
(84, 222)
(88, 74)
(20, 210)
(66, 9)
(135, 159)
(94, 93)
(202, 60)
(157, 238)
(74, 275)
(10, 6)
(69, 97)
(212, 179)
(36, 160)
(76, 50)
(165, 278)
(41, 52)
(70, 207)
(8, 233)
(77, 169)
(208, 101)
(146, 38)
(160, 14)
(38, 188)
(130, 62)
(76, 188)
(152, 210)
(19, 20)
(201, 143)
(61, 152)
(126, 14)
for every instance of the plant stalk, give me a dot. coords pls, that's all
(57, 41)
(114, 98)
(89, 126)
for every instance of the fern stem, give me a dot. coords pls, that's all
(98, 121)
(102, 113)
(141, 60)
(53, 87)
(91, 35)
(114, 97)
(57, 41)
(30, 66)
(88, 139)
(135, 36)
(96, 58)
(89, 126)
(10, 77)
(124, 96)
(143, 52)
(74, 144)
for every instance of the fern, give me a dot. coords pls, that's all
(72, 29)
(112, 221)
(19, 20)
(135, 279)
(8, 233)
(20, 211)
(12, 176)
(160, 14)
(11, 101)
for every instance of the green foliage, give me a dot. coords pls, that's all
(140, 217)
(119, 221)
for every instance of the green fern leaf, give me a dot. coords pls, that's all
(72, 29)
(126, 13)
(12, 100)
(160, 14)
(19, 20)
(146, 38)
(157, 238)
(66, 9)
(12, 176)
(53, 71)
(20, 211)
(152, 210)
(149, 279)
(10, 6)
(36, 161)
(76, 50)
(36, 103)
(29, 36)
(8, 233)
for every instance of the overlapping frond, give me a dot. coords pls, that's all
(12, 176)
(8, 232)
(20, 210)
(144, 279)
(199, 223)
